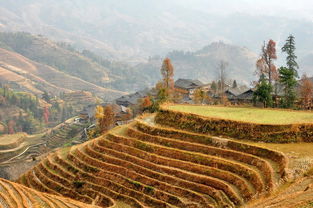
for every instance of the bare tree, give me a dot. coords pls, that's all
(306, 92)
(221, 69)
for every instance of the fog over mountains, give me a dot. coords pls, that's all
(135, 30)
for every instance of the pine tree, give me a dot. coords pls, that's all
(289, 48)
(235, 84)
(288, 80)
(289, 74)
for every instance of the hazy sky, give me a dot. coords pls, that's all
(286, 8)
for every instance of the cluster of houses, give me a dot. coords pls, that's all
(185, 87)
(238, 94)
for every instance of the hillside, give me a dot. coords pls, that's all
(47, 52)
(16, 195)
(34, 113)
(24, 74)
(144, 164)
(203, 64)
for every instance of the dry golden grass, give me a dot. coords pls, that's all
(16, 195)
(246, 114)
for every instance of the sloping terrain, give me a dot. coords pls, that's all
(26, 75)
(20, 152)
(56, 55)
(16, 195)
(147, 165)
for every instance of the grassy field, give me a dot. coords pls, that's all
(253, 115)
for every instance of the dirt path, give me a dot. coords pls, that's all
(298, 194)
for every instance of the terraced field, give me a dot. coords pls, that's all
(20, 152)
(271, 126)
(16, 195)
(147, 165)
(15, 145)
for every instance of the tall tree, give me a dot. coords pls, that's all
(167, 72)
(235, 84)
(288, 81)
(46, 114)
(289, 48)
(288, 75)
(222, 80)
(306, 92)
(11, 126)
(265, 64)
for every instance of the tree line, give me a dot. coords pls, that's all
(33, 113)
(278, 87)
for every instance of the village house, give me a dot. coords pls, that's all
(187, 86)
(246, 96)
(122, 113)
(131, 99)
(233, 93)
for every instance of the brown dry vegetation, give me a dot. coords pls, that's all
(146, 165)
(274, 133)
(33, 77)
(16, 195)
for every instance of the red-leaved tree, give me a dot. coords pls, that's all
(306, 92)
(11, 126)
(265, 64)
(146, 103)
(46, 114)
(167, 72)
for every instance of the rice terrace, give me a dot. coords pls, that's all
(155, 162)
(156, 104)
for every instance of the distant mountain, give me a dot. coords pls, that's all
(203, 64)
(133, 30)
(84, 65)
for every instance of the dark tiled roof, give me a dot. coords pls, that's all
(188, 84)
(131, 99)
(235, 91)
(247, 95)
